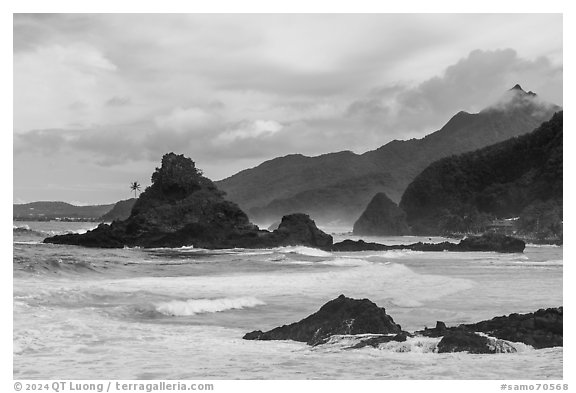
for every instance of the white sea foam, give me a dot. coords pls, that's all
(394, 282)
(200, 306)
(418, 344)
(412, 344)
(542, 245)
(345, 262)
(552, 262)
(309, 251)
(54, 332)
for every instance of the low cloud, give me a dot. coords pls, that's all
(212, 131)
(250, 130)
(473, 83)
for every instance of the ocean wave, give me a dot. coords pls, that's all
(302, 250)
(345, 262)
(200, 306)
(543, 245)
(418, 344)
(53, 265)
(552, 262)
(377, 281)
(26, 230)
(391, 254)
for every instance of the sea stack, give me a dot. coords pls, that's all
(382, 217)
(184, 208)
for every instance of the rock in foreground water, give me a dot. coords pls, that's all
(342, 315)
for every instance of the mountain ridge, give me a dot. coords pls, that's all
(51, 210)
(283, 185)
(519, 178)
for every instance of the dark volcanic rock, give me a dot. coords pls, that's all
(382, 217)
(461, 340)
(339, 316)
(492, 242)
(345, 316)
(184, 208)
(486, 242)
(376, 341)
(360, 245)
(437, 331)
(541, 329)
(300, 229)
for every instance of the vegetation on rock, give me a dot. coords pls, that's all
(520, 177)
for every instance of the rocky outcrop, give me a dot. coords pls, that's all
(486, 242)
(491, 241)
(300, 229)
(184, 208)
(541, 329)
(346, 316)
(382, 217)
(342, 315)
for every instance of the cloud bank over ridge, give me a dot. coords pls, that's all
(118, 91)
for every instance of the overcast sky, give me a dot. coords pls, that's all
(98, 99)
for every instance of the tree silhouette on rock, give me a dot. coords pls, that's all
(135, 186)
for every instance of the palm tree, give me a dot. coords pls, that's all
(135, 186)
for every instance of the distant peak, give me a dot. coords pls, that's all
(516, 98)
(518, 87)
(519, 90)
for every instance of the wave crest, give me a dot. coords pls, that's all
(200, 306)
(302, 250)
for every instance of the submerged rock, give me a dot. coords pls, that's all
(486, 242)
(184, 208)
(462, 340)
(382, 217)
(342, 315)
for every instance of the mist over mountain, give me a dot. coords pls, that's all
(336, 187)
